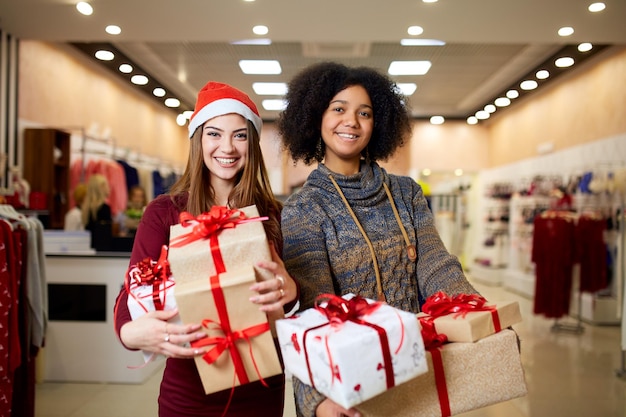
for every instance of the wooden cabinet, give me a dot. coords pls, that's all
(47, 169)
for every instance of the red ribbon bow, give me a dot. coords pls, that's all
(155, 273)
(441, 304)
(210, 223)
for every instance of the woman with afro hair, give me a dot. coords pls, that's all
(352, 227)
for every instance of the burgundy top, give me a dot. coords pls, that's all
(181, 393)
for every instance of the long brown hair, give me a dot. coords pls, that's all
(252, 187)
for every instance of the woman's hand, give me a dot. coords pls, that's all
(329, 408)
(273, 294)
(153, 333)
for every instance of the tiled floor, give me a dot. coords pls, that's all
(568, 375)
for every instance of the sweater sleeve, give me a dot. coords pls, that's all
(437, 269)
(153, 232)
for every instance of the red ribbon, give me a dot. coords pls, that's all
(441, 304)
(339, 310)
(433, 343)
(210, 224)
(155, 273)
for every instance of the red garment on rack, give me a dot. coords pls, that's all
(592, 252)
(554, 255)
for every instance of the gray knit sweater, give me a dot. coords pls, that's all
(326, 253)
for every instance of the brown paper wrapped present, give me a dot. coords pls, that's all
(219, 241)
(474, 325)
(221, 303)
(469, 376)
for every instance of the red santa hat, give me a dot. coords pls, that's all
(217, 99)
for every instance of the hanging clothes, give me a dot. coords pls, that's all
(592, 253)
(554, 255)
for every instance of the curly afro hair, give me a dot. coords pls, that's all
(311, 91)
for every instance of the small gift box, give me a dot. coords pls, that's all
(351, 348)
(468, 317)
(150, 287)
(243, 348)
(218, 241)
(461, 377)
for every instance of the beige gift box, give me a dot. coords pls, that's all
(476, 325)
(477, 374)
(196, 303)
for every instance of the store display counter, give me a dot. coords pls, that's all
(81, 344)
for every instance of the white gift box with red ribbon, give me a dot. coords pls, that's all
(351, 349)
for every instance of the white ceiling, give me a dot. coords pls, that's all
(491, 44)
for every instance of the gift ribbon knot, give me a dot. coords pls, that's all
(149, 272)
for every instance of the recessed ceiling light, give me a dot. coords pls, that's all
(472, 120)
(564, 62)
(113, 30)
(260, 30)
(188, 114)
(103, 55)
(274, 104)
(407, 89)
(172, 102)
(270, 89)
(528, 85)
(84, 8)
(437, 120)
(502, 101)
(429, 1)
(566, 31)
(512, 94)
(585, 47)
(259, 41)
(139, 79)
(490, 108)
(542, 74)
(409, 67)
(421, 42)
(596, 7)
(260, 66)
(181, 120)
(158, 92)
(415, 30)
(126, 68)
(482, 115)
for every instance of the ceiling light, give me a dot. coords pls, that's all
(113, 30)
(126, 68)
(585, 47)
(512, 94)
(188, 114)
(260, 30)
(158, 92)
(566, 31)
(409, 67)
(542, 74)
(490, 108)
(415, 30)
(270, 89)
(528, 85)
(274, 104)
(103, 55)
(181, 120)
(564, 62)
(407, 89)
(482, 115)
(437, 120)
(596, 7)
(139, 79)
(502, 102)
(172, 102)
(84, 8)
(259, 41)
(429, 1)
(260, 66)
(472, 120)
(421, 42)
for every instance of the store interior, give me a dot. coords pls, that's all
(558, 153)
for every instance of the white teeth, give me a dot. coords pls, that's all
(347, 136)
(225, 161)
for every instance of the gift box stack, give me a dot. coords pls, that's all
(473, 360)
(212, 257)
(350, 348)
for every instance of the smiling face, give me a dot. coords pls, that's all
(347, 126)
(225, 148)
